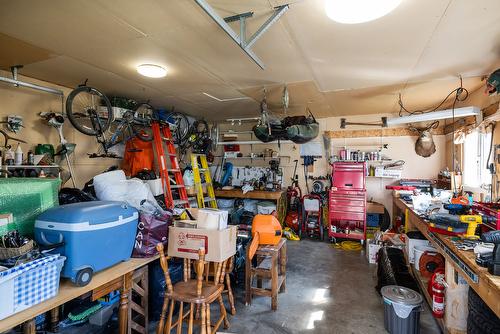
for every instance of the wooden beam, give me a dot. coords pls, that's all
(386, 132)
(471, 120)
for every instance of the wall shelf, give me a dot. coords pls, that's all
(254, 142)
(28, 166)
(254, 158)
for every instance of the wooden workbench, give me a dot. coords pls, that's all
(487, 285)
(254, 194)
(117, 277)
(277, 196)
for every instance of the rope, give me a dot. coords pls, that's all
(348, 245)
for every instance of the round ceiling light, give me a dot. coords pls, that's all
(358, 11)
(151, 71)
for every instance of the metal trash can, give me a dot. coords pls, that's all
(402, 307)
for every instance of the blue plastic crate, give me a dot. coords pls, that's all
(373, 219)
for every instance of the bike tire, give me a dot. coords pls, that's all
(181, 127)
(142, 126)
(74, 114)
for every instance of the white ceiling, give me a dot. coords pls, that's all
(334, 69)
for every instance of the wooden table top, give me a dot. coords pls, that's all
(254, 194)
(69, 291)
(488, 286)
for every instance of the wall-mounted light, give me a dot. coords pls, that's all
(151, 70)
(358, 11)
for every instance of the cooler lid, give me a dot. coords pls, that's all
(94, 212)
(401, 295)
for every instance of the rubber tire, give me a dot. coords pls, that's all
(180, 141)
(74, 121)
(84, 276)
(481, 319)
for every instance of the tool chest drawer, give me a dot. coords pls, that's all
(347, 201)
(346, 215)
(348, 175)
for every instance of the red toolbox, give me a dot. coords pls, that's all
(347, 201)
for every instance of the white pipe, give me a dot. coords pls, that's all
(435, 115)
(32, 86)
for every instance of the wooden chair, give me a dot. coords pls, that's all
(228, 289)
(200, 292)
(225, 279)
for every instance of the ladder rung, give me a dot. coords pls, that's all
(173, 170)
(209, 199)
(166, 139)
(176, 186)
(203, 169)
(171, 154)
(180, 201)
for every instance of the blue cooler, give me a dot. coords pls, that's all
(94, 236)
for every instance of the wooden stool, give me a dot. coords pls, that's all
(271, 264)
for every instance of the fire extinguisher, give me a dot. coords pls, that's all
(437, 287)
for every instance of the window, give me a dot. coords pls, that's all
(476, 151)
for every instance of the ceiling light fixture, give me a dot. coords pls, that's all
(151, 71)
(358, 11)
(436, 115)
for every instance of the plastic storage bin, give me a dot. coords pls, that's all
(96, 235)
(402, 307)
(29, 284)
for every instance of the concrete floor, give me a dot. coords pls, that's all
(328, 291)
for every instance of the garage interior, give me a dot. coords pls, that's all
(258, 166)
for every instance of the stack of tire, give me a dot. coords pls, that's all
(481, 319)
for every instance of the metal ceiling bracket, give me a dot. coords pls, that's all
(344, 123)
(240, 38)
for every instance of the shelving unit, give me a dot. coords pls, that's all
(254, 142)
(422, 283)
(254, 158)
(28, 166)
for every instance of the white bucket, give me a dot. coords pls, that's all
(419, 250)
(265, 208)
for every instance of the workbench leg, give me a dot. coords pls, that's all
(274, 282)
(248, 280)
(283, 267)
(124, 301)
(29, 327)
(54, 320)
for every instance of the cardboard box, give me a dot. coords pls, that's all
(212, 219)
(371, 251)
(185, 242)
(410, 246)
(389, 173)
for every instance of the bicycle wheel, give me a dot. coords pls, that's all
(141, 124)
(89, 110)
(179, 124)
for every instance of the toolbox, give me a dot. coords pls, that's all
(91, 235)
(347, 201)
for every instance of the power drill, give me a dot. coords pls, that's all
(493, 237)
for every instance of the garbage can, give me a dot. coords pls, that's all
(402, 307)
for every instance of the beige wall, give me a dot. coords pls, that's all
(29, 103)
(400, 148)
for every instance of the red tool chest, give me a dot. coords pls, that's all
(347, 201)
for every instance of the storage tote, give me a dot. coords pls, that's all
(28, 284)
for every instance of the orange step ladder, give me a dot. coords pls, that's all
(161, 135)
